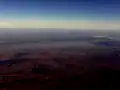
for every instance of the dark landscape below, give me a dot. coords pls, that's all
(76, 60)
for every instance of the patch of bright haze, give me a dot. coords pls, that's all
(67, 24)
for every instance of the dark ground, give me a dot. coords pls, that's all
(91, 70)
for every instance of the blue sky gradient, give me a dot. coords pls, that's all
(105, 10)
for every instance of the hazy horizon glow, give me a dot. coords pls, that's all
(68, 14)
(73, 24)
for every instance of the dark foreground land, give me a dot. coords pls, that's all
(71, 68)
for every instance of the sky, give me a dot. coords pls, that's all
(70, 14)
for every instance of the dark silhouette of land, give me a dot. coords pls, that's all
(66, 61)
